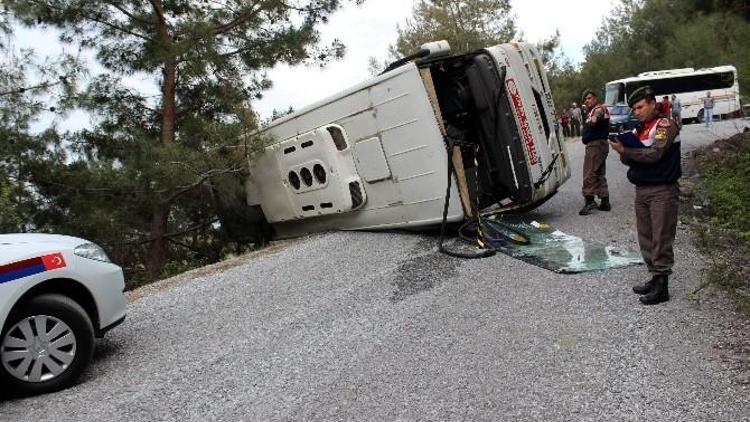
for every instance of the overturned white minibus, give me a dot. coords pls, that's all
(376, 156)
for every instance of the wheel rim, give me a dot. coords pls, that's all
(38, 348)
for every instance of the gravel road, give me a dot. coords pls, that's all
(379, 326)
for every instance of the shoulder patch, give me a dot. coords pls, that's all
(664, 123)
(661, 133)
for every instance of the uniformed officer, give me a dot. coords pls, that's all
(654, 170)
(594, 136)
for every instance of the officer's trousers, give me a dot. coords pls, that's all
(656, 211)
(595, 169)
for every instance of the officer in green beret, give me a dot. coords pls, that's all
(654, 168)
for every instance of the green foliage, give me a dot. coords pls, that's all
(28, 88)
(173, 268)
(149, 178)
(723, 225)
(728, 182)
(561, 73)
(277, 114)
(728, 278)
(647, 35)
(5, 25)
(467, 25)
(10, 217)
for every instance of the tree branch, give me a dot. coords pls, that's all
(167, 236)
(207, 175)
(221, 29)
(103, 22)
(130, 14)
(158, 9)
(24, 89)
(118, 28)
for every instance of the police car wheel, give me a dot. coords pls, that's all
(45, 346)
(699, 117)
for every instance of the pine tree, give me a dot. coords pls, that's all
(29, 89)
(143, 174)
(467, 25)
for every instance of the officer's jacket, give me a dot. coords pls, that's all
(659, 161)
(596, 125)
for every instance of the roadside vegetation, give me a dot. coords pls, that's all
(645, 35)
(717, 194)
(155, 179)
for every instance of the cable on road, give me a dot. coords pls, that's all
(488, 234)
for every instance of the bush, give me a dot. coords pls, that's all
(728, 183)
(723, 226)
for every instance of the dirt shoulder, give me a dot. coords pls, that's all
(169, 283)
(715, 203)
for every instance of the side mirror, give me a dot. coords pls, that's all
(428, 50)
(436, 49)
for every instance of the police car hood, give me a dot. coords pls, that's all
(618, 117)
(15, 247)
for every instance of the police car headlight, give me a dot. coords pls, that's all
(91, 251)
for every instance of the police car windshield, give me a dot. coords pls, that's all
(619, 110)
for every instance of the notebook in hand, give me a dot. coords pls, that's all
(629, 140)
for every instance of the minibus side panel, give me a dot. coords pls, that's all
(392, 113)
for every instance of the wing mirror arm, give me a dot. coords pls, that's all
(426, 51)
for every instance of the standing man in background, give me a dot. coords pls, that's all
(666, 107)
(708, 109)
(575, 120)
(677, 111)
(594, 136)
(654, 170)
(565, 120)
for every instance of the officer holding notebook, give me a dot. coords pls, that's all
(653, 157)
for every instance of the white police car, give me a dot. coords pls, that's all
(56, 294)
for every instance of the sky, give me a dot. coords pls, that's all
(367, 31)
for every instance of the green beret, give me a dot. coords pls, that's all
(643, 92)
(587, 92)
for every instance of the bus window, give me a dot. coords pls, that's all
(614, 94)
(681, 84)
(705, 82)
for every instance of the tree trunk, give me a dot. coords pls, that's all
(157, 250)
(169, 104)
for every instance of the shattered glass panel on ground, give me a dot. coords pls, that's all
(542, 245)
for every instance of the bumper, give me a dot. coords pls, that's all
(106, 283)
(102, 331)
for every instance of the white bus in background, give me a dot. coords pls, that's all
(690, 86)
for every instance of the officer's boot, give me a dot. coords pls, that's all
(644, 288)
(660, 292)
(604, 204)
(589, 206)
